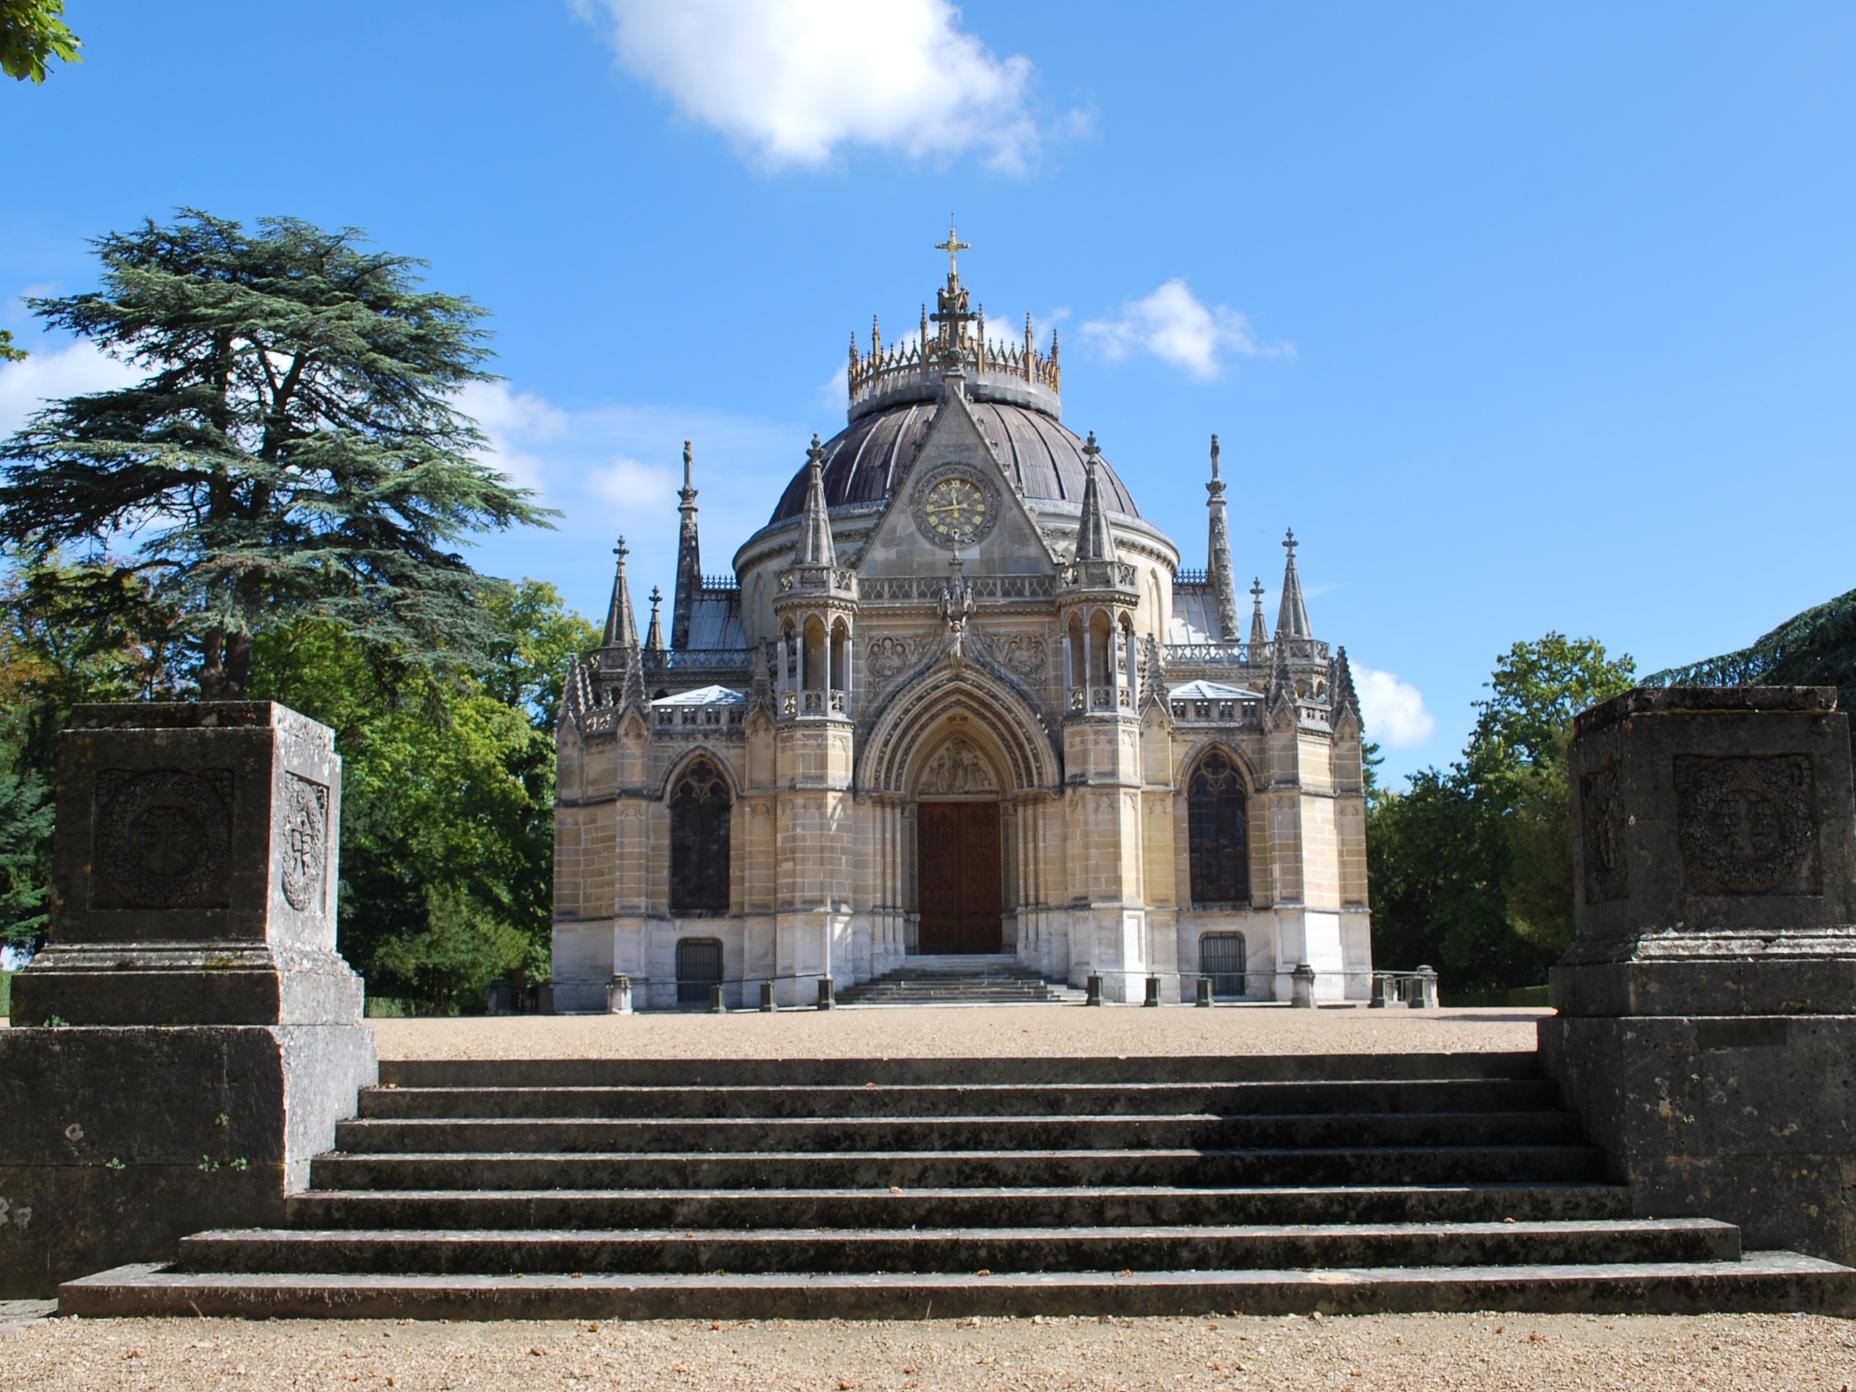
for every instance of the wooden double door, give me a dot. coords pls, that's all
(962, 892)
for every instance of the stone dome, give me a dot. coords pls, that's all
(865, 460)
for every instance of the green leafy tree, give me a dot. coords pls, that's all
(448, 792)
(8, 353)
(294, 452)
(1815, 648)
(32, 32)
(1471, 867)
(25, 842)
(52, 657)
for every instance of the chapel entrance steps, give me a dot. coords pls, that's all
(966, 979)
(908, 1188)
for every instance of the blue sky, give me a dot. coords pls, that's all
(1525, 316)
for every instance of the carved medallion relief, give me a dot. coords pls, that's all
(303, 842)
(1747, 824)
(163, 839)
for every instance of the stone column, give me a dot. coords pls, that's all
(1707, 1006)
(189, 1037)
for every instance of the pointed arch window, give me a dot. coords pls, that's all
(1218, 833)
(699, 808)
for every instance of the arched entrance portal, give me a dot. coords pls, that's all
(959, 850)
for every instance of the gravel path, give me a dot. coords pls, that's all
(1051, 1031)
(1398, 1353)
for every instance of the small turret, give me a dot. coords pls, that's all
(654, 635)
(1343, 700)
(815, 545)
(1292, 617)
(621, 622)
(1218, 555)
(1259, 631)
(1094, 541)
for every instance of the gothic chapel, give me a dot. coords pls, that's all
(958, 699)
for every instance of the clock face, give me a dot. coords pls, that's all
(955, 510)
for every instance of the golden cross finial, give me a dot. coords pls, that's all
(953, 246)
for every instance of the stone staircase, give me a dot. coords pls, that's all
(960, 980)
(908, 1188)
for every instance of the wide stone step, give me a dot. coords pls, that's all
(1044, 1249)
(955, 1133)
(1763, 1281)
(965, 1169)
(1019, 1071)
(1086, 1099)
(897, 1207)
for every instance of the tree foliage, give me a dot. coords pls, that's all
(1815, 648)
(9, 353)
(1471, 866)
(32, 32)
(53, 656)
(447, 794)
(293, 454)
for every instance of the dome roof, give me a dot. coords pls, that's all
(865, 460)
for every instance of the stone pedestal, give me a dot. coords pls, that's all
(189, 1037)
(1707, 1006)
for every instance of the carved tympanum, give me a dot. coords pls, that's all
(957, 767)
(1747, 824)
(163, 838)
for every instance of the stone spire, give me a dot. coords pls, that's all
(1094, 541)
(1292, 618)
(1218, 555)
(621, 622)
(689, 560)
(654, 635)
(1259, 631)
(815, 547)
(1342, 698)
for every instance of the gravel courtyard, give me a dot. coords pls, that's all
(1404, 1352)
(1050, 1031)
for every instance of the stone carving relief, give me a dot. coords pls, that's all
(163, 839)
(957, 767)
(887, 658)
(1025, 655)
(303, 842)
(1601, 831)
(1747, 824)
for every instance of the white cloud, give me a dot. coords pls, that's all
(630, 483)
(516, 422)
(51, 374)
(1393, 711)
(1177, 327)
(793, 81)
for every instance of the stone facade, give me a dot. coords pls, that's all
(959, 697)
(1707, 1006)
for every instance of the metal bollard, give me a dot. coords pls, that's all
(1153, 991)
(825, 998)
(1204, 996)
(718, 1000)
(1302, 986)
(1093, 985)
(766, 995)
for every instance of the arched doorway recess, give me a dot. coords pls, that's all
(959, 849)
